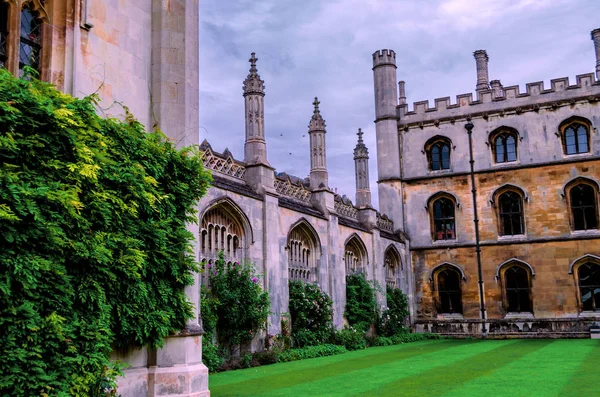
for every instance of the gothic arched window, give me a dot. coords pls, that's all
(576, 134)
(303, 253)
(355, 256)
(30, 39)
(510, 205)
(221, 230)
(588, 275)
(504, 146)
(447, 282)
(392, 266)
(517, 289)
(3, 33)
(583, 202)
(442, 214)
(438, 153)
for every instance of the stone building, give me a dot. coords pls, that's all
(129, 52)
(520, 220)
(295, 228)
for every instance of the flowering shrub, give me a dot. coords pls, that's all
(360, 302)
(350, 338)
(391, 319)
(311, 312)
(239, 305)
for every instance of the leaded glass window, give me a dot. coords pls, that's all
(511, 213)
(505, 146)
(443, 219)
(30, 40)
(449, 293)
(518, 292)
(440, 156)
(3, 32)
(576, 139)
(589, 286)
(584, 210)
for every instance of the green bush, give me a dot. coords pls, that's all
(311, 314)
(360, 302)
(239, 304)
(310, 352)
(350, 338)
(381, 341)
(93, 214)
(405, 337)
(212, 356)
(391, 320)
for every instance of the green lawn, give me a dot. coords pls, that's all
(430, 368)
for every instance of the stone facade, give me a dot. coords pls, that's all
(293, 228)
(142, 54)
(536, 154)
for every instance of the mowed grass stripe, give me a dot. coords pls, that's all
(229, 377)
(321, 369)
(346, 384)
(541, 373)
(585, 380)
(441, 379)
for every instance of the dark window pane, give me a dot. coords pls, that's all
(443, 219)
(445, 157)
(3, 31)
(517, 289)
(436, 161)
(449, 291)
(570, 143)
(511, 148)
(589, 286)
(583, 207)
(582, 144)
(511, 214)
(500, 150)
(30, 39)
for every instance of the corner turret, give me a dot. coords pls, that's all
(319, 179)
(255, 148)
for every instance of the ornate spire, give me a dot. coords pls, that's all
(316, 122)
(253, 84)
(360, 151)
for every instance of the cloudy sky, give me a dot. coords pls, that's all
(323, 48)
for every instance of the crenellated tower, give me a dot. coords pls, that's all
(361, 168)
(388, 140)
(255, 148)
(319, 179)
(481, 62)
(596, 38)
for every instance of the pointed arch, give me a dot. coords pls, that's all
(304, 251)
(575, 135)
(439, 267)
(447, 280)
(586, 272)
(504, 142)
(438, 150)
(224, 227)
(442, 214)
(583, 259)
(582, 195)
(515, 278)
(355, 254)
(514, 261)
(392, 263)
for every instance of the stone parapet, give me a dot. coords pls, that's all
(534, 97)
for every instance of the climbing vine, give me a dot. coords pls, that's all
(93, 214)
(311, 312)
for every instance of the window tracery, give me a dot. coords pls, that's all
(303, 254)
(588, 277)
(438, 153)
(392, 267)
(575, 135)
(516, 281)
(220, 231)
(443, 218)
(354, 256)
(510, 212)
(583, 203)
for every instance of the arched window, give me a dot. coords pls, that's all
(3, 33)
(442, 214)
(510, 212)
(221, 230)
(588, 275)
(30, 39)
(438, 153)
(392, 266)
(504, 146)
(447, 282)
(583, 202)
(517, 289)
(303, 253)
(355, 256)
(576, 134)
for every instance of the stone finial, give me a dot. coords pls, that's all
(253, 84)
(481, 60)
(402, 93)
(361, 150)
(497, 89)
(316, 122)
(596, 38)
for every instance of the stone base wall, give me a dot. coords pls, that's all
(511, 328)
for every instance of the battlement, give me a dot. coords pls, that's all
(586, 87)
(384, 57)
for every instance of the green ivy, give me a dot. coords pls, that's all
(93, 214)
(360, 302)
(391, 320)
(311, 312)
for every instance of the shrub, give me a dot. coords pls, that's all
(311, 314)
(381, 341)
(391, 320)
(239, 304)
(310, 352)
(360, 302)
(93, 215)
(350, 338)
(405, 337)
(212, 356)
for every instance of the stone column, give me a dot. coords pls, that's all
(481, 60)
(255, 148)
(319, 179)
(388, 140)
(402, 91)
(596, 38)
(361, 168)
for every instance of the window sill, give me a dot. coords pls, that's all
(576, 155)
(506, 164)
(450, 316)
(514, 237)
(443, 242)
(589, 232)
(589, 314)
(519, 316)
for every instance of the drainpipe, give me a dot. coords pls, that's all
(469, 127)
